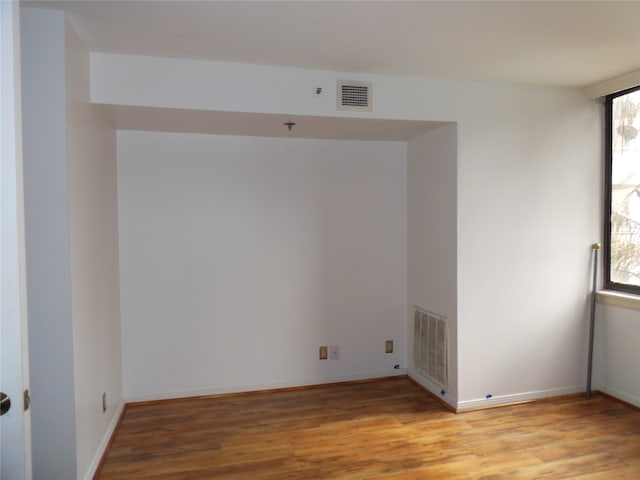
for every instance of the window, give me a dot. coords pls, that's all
(622, 202)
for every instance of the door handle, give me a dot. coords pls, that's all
(5, 403)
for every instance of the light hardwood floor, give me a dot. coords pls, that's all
(386, 429)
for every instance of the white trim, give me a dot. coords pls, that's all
(625, 397)
(613, 85)
(150, 397)
(91, 471)
(501, 400)
(618, 299)
(433, 387)
(16, 459)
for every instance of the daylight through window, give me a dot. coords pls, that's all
(623, 195)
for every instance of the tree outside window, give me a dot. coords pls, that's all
(624, 195)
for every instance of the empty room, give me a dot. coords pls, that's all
(320, 240)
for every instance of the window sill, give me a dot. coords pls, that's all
(618, 299)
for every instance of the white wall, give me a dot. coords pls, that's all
(240, 256)
(616, 363)
(48, 253)
(528, 162)
(93, 230)
(221, 86)
(71, 252)
(432, 240)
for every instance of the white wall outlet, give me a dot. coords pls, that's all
(334, 352)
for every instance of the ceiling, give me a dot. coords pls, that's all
(571, 43)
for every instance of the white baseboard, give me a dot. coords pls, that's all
(434, 388)
(150, 397)
(501, 400)
(625, 397)
(104, 443)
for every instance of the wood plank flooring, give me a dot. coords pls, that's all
(389, 429)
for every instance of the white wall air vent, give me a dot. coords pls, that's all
(354, 96)
(430, 339)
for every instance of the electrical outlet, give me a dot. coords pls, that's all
(323, 353)
(388, 346)
(334, 352)
(104, 402)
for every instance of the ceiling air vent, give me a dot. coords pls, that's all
(354, 96)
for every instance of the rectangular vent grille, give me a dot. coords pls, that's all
(355, 96)
(430, 339)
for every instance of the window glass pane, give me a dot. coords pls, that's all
(625, 189)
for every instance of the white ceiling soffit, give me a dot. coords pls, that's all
(265, 125)
(573, 43)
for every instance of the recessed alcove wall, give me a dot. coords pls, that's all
(244, 254)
